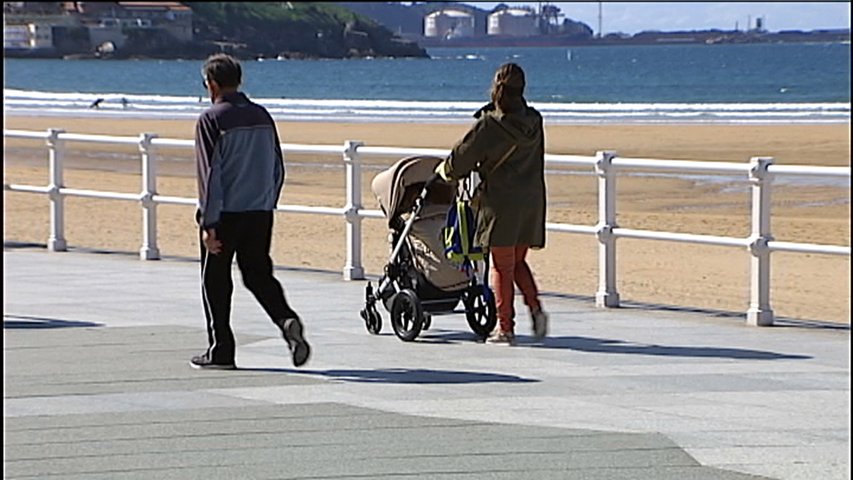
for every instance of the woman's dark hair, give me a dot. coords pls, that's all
(508, 88)
(223, 69)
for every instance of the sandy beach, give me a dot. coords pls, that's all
(805, 286)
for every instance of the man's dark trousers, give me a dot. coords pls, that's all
(247, 235)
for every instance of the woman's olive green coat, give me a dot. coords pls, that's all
(510, 201)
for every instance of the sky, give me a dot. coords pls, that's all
(634, 17)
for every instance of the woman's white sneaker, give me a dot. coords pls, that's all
(540, 324)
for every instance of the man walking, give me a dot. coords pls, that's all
(240, 176)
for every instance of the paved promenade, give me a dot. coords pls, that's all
(97, 386)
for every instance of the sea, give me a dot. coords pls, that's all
(747, 83)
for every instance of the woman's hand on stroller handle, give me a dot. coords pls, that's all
(431, 180)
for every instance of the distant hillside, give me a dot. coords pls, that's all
(244, 29)
(295, 29)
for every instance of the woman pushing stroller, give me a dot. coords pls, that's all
(506, 147)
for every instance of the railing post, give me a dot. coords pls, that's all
(353, 269)
(607, 295)
(56, 148)
(760, 313)
(149, 250)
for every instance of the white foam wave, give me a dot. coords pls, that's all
(148, 106)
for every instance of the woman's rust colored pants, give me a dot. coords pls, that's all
(510, 268)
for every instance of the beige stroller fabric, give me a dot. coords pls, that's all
(427, 245)
(428, 250)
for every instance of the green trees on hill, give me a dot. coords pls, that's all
(294, 29)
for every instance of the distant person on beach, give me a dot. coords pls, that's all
(124, 102)
(506, 146)
(240, 175)
(96, 103)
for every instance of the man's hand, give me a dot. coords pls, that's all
(211, 243)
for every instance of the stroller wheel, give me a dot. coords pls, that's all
(406, 315)
(372, 320)
(480, 310)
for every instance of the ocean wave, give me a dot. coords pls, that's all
(116, 104)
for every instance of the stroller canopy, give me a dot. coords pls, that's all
(397, 187)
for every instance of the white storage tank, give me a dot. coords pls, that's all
(513, 22)
(449, 23)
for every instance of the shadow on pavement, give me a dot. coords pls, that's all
(447, 337)
(603, 345)
(435, 336)
(28, 322)
(402, 375)
(740, 317)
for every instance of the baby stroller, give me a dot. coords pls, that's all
(419, 281)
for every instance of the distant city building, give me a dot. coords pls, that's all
(108, 21)
(28, 36)
(84, 27)
(449, 23)
(38, 8)
(29, 26)
(513, 22)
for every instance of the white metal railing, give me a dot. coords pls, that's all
(760, 172)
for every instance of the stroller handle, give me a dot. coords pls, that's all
(431, 180)
(425, 191)
(435, 178)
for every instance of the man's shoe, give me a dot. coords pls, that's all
(499, 337)
(299, 348)
(540, 324)
(202, 362)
